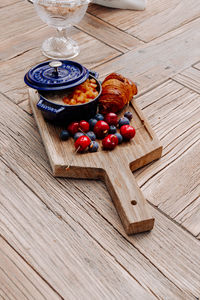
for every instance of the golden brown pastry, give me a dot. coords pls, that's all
(117, 91)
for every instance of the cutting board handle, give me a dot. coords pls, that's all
(129, 201)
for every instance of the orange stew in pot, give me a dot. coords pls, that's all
(83, 93)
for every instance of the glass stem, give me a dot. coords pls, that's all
(61, 32)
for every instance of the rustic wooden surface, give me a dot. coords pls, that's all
(113, 167)
(62, 238)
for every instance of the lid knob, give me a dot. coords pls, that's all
(55, 64)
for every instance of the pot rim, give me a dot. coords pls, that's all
(40, 92)
(33, 82)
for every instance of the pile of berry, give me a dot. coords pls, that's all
(101, 127)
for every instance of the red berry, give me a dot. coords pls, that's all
(82, 143)
(73, 128)
(84, 126)
(110, 142)
(111, 119)
(127, 131)
(101, 129)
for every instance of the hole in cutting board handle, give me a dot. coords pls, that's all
(134, 202)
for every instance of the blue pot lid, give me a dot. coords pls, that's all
(56, 75)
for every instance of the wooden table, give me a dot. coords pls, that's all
(62, 238)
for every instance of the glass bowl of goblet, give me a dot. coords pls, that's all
(61, 14)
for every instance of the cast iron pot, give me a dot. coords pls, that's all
(62, 114)
(55, 79)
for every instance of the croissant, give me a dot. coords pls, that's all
(117, 91)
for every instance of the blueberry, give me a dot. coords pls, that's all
(112, 129)
(94, 146)
(128, 115)
(92, 123)
(123, 121)
(77, 135)
(64, 135)
(99, 117)
(91, 135)
(120, 138)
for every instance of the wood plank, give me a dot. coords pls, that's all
(189, 78)
(61, 251)
(189, 217)
(23, 15)
(8, 3)
(172, 183)
(24, 52)
(18, 279)
(172, 101)
(176, 14)
(159, 17)
(180, 189)
(173, 252)
(154, 63)
(162, 238)
(125, 19)
(108, 34)
(197, 66)
(17, 46)
(25, 105)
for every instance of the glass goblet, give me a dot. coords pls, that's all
(61, 14)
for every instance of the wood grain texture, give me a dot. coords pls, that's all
(24, 17)
(110, 35)
(74, 266)
(125, 19)
(8, 3)
(197, 66)
(152, 64)
(189, 217)
(90, 243)
(143, 149)
(172, 183)
(177, 13)
(18, 280)
(174, 254)
(17, 46)
(189, 78)
(25, 105)
(158, 18)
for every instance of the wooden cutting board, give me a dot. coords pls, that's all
(114, 167)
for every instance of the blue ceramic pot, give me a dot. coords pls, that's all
(64, 114)
(52, 78)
